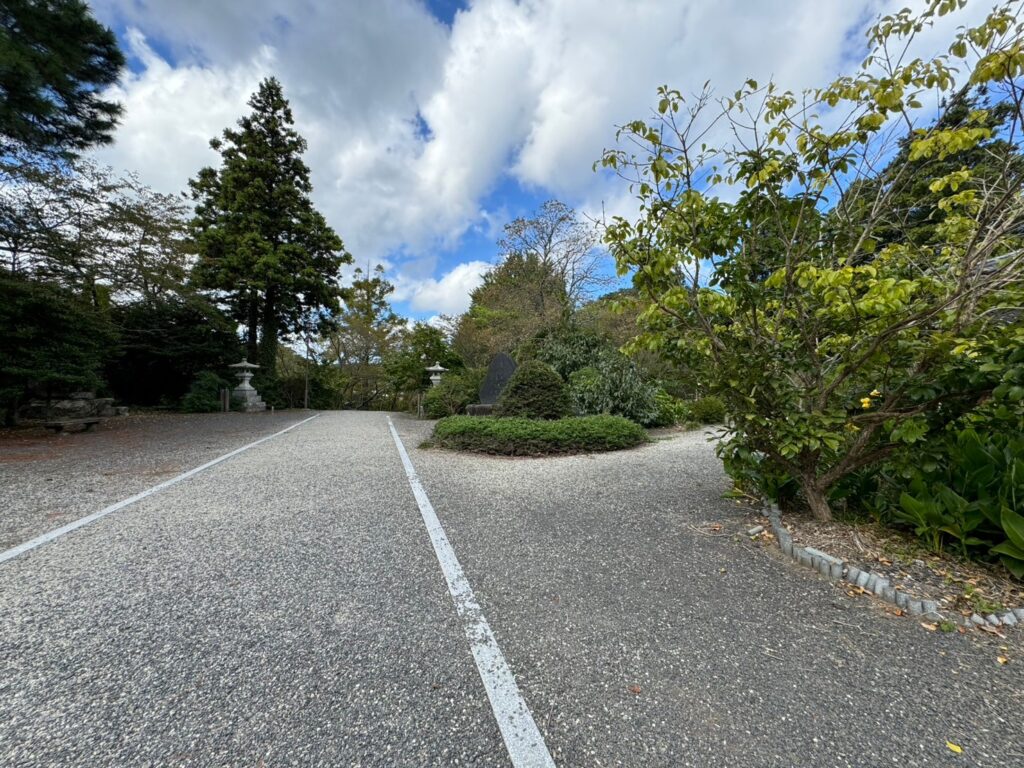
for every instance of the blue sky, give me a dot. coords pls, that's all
(432, 124)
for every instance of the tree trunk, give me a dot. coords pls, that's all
(816, 499)
(252, 347)
(268, 339)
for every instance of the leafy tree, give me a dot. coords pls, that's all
(518, 298)
(165, 343)
(265, 250)
(414, 349)
(913, 207)
(568, 246)
(833, 333)
(365, 333)
(81, 226)
(53, 342)
(55, 59)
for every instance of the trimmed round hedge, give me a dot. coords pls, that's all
(534, 391)
(531, 437)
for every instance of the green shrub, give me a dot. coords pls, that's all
(567, 349)
(535, 391)
(601, 379)
(964, 490)
(708, 410)
(204, 394)
(529, 437)
(670, 410)
(452, 395)
(614, 386)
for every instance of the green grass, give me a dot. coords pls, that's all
(530, 437)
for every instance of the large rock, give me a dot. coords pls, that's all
(498, 373)
(69, 408)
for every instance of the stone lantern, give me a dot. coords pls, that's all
(245, 392)
(435, 372)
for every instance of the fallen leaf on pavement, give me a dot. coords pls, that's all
(634, 689)
(1002, 660)
(929, 626)
(991, 630)
(954, 747)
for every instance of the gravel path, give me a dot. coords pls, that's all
(640, 640)
(51, 479)
(281, 609)
(285, 608)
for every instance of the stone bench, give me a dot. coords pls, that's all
(85, 424)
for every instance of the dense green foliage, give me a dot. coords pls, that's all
(535, 391)
(411, 352)
(670, 410)
(858, 319)
(707, 410)
(453, 394)
(363, 335)
(267, 252)
(601, 379)
(834, 330)
(55, 61)
(164, 343)
(533, 437)
(203, 395)
(519, 298)
(53, 341)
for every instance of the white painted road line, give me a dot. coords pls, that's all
(73, 526)
(523, 740)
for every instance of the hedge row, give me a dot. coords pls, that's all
(528, 437)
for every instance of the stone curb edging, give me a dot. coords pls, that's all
(835, 570)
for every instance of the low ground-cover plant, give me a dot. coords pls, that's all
(535, 391)
(967, 493)
(531, 437)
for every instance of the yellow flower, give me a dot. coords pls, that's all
(851, 427)
(875, 393)
(865, 402)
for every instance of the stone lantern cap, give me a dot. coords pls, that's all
(437, 368)
(244, 364)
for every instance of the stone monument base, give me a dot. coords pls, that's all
(480, 409)
(247, 400)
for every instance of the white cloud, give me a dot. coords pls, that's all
(447, 296)
(412, 124)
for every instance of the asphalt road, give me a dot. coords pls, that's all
(286, 608)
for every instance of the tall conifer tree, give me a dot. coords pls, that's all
(55, 61)
(262, 245)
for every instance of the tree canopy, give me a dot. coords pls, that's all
(55, 60)
(843, 307)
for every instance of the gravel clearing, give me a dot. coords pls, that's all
(50, 479)
(285, 608)
(639, 639)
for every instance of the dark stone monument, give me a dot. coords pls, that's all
(498, 373)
